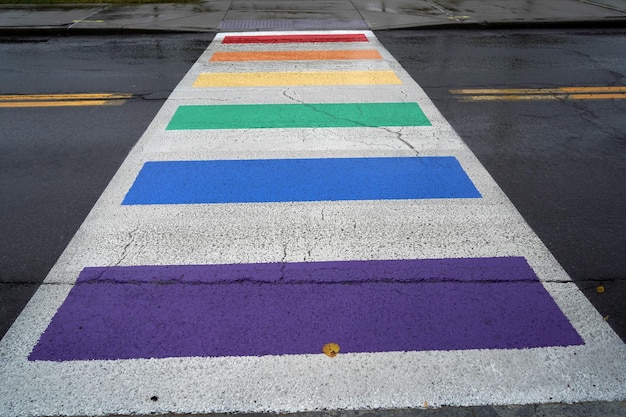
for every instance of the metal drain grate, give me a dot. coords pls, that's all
(292, 24)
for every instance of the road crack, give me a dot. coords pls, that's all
(125, 250)
(398, 134)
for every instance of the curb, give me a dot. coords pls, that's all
(475, 25)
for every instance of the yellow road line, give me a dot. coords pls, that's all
(557, 90)
(510, 97)
(597, 96)
(300, 78)
(87, 96)
(557, 93)
(528, 97)
(62, 100)
(60, 103)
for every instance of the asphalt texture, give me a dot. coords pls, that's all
(56, 161)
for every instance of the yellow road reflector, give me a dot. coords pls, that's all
(62, 100)
(331, 349)
(300, 78)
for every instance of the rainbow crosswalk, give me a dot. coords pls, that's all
(297, 189)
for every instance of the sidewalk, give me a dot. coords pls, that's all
(250, 15)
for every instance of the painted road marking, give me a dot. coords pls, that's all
(300, 38)
(559, 93)
(280, 180)
(258, 116)
(63, 100)
(299, 78)
(72, 103)
(295, 308)
(315, 55)
(121, 245)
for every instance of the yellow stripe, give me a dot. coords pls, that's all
(60, 103)
(269, 79)
(89, 96)
(558, 90)
(526, 97)
(511, 97)
(616, 89)
(597, 96)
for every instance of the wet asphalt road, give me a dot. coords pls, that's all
(56, 161)
(561, 162)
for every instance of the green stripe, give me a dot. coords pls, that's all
(255, 116)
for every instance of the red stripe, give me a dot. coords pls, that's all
(359, 37)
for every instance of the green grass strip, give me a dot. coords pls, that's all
(257, 116)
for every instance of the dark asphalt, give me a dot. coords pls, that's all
(560, 162)
(56, 161)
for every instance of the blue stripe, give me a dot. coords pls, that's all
(281, 180)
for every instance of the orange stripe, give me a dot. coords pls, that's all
(296, 55)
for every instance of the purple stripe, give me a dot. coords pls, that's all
(274, 309)
(413, 270)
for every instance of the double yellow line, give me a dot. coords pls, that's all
(63, 100)
(559, 93)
